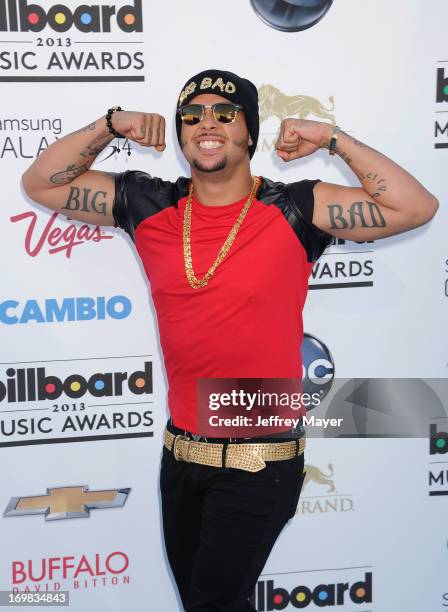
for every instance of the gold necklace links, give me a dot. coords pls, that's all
(194, 282)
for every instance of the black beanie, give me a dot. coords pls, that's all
(230, 86)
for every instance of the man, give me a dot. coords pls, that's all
(228, 258)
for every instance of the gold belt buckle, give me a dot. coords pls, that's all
(181, 447)
(247, 460)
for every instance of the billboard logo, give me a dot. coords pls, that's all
(440, 127)
(19, 16)
(438, 441)
(344, 265)
(49, 54)
(70, 400)
(33, 384)
(438, 472)
(442, 86)
(268, 596)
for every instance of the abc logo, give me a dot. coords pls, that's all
(317, 365)
(438, 441)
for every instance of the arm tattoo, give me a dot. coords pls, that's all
(380, 183)
(64, 177)
(85, 201)
(359, 144)
(96, 146)
(86, 128)
(362, 145)
(357, 215)
(348, 160)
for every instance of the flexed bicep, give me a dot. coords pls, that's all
(88, 198)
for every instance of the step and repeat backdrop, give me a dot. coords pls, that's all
(82, 381)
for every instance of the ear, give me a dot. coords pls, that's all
(251, 142)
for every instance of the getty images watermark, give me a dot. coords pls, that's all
(253, 407)
(347, 408)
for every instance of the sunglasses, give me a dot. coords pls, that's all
(223, 112)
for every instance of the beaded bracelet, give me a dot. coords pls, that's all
(110, 112)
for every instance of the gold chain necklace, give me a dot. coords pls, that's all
(194, 282)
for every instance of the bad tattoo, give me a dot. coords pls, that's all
(359, 214)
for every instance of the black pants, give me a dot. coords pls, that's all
(220, 525)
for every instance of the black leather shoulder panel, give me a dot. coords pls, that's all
(296, 202)
(138, 195)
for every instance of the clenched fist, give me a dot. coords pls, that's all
(147, 129)
(300, 137)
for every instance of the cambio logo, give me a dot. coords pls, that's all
(20, 16)
(52, 310)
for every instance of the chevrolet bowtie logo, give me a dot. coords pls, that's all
(66, 502)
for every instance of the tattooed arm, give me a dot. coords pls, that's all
(60, 177)
(389, 202)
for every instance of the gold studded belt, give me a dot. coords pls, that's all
(249, 457)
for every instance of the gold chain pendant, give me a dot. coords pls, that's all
(194, 282)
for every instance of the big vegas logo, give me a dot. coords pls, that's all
(54, 237)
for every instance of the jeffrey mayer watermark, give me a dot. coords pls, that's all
(253, 407)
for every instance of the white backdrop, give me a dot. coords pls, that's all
(368, 512)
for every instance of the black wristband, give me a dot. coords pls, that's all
(334, 140)
(110, 112)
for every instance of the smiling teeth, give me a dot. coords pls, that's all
(210, 144)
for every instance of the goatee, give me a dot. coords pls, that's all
(219, 165)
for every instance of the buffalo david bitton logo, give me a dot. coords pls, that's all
(274, 103)
(66, 502)
(327, 501)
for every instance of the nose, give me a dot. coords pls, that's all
(208, 120)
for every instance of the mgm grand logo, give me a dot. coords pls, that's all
(323, 495)
(274, 103)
